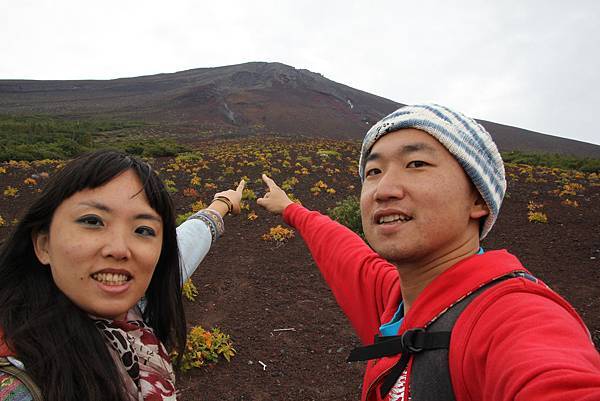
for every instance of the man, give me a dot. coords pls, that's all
(433, 183)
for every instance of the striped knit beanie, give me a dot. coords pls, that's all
(464, 138)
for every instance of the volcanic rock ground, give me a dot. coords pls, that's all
(250, 288)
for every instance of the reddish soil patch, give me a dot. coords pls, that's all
(250, 288)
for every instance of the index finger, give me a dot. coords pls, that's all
(241, 186)
(270, 183)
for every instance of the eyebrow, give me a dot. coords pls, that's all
(103, 207)
(406, 150)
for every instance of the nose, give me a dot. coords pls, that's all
(116, 247)
(390, 186)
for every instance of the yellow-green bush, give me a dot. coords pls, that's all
(189, 290)
(204, 347)
(537, 217)
(278, 234)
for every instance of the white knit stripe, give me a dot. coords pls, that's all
(451, 139)
(455, 145)
(473, 132)
(434, 108)
(482, 138)
(475, 129)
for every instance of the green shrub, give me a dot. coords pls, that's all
(329, 153)
(553, 160)
(248, 194)
(170, 186)
(182, 217)
(47, 137)
(145, 147)
(188, 157)
(134, 148)
(347, 212)
(305, 159)
(162, 148)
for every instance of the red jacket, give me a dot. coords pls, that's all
(516, 341)
(4, 350)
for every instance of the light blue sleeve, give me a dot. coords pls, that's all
(194, 239)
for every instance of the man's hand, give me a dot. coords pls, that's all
(275, 200)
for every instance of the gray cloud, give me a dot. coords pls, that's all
(532, 64)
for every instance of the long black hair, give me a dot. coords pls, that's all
(59, 344)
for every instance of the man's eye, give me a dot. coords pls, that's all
(417, 164)
(372, 171)
(146, 231)
(91, 221)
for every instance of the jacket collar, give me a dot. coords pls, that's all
(456, 282)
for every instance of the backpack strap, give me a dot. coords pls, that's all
(7, 367)
(413, 341)
(430, 375)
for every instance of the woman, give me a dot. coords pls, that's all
(91, 284)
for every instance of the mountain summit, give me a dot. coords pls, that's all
(243, 98)
(273, 96)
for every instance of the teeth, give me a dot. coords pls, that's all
(111, 278)
(393, 217)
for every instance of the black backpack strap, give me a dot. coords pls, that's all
(412, 341)
(430, 375)
(9, 368)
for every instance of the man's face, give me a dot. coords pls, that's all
(417, 203)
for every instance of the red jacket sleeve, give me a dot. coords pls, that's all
(362, 282)
(526, 346)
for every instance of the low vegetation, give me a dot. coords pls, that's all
(278, 234)
(204, 347)
(189, 290)
(324, 180)
(44, 137)
(554, 160)
(347, 212)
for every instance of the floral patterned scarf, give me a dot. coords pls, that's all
(140, 356)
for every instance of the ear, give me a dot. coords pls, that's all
(40, 241)
(479, 208)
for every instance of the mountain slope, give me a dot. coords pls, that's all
(244, 98)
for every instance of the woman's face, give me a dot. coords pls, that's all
(103, 246)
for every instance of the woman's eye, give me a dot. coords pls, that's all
(146, 231)
(91, 221)
(417, 164)
(372, 171)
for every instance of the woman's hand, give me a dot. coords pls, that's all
(275, 200)
(234, 196)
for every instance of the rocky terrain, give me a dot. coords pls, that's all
(290, 336)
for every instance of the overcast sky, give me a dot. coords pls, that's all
(528, 63)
